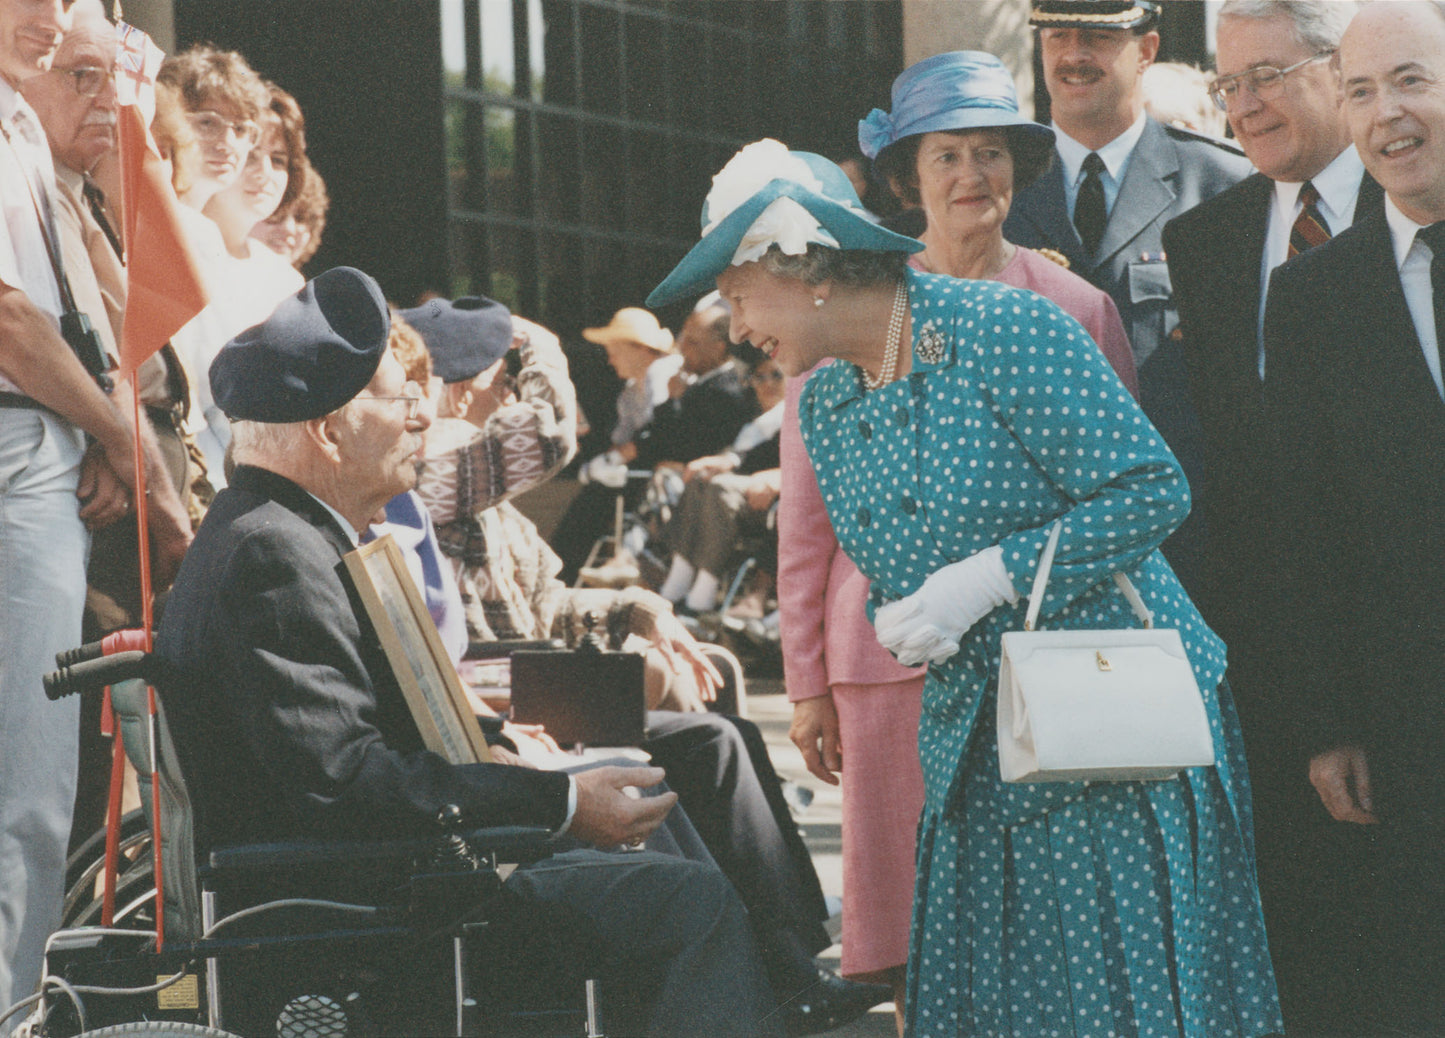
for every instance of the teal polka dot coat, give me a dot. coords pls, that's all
(1084, 909)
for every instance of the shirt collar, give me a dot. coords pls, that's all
(1115, 154)
(1338, 185)
(346, 528)
(9, 99)
(1402, 231)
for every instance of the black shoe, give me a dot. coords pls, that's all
(830, 1002)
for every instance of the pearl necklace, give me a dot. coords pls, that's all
(890, 346)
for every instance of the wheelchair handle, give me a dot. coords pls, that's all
(95, 674)
(116, 641)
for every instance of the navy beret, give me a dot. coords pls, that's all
(316, 351)
(465, 336)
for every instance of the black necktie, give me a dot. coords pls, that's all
(95, 199)
(1309, 227)
(1434, 236)
(1090, 213)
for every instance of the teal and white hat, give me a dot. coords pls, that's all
(767, 195)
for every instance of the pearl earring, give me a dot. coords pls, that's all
(818, 301)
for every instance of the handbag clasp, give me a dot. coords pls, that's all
(1102, 661)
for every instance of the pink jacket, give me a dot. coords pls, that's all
(827, 639)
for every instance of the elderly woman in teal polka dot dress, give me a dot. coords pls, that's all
(957, 422)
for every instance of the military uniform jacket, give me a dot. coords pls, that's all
(1170, 171)
(285, 713)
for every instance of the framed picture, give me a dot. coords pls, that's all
(414, 649)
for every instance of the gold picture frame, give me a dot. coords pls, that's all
(415, 651)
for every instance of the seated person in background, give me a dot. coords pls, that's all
(722, 492)
(707, 403)
(289, 722)
(496, 436)
(516, 434)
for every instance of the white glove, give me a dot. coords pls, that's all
(608, 469)
(926, 626)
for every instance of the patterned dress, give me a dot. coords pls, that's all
(1082, 909)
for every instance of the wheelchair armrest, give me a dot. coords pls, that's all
(500, 649)
(510, 843)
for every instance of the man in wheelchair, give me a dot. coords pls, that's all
(285, 714)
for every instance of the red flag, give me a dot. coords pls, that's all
(163, 284)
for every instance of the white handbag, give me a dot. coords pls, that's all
(1085, 705)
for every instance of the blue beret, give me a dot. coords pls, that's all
(316, 351)
(464, 336)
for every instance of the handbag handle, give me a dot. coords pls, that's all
(1041, 579)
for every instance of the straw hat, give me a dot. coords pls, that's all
(635, 325)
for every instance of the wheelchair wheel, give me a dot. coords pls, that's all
(156, 1029)
(135, 878)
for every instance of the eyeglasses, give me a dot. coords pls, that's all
(1264, 81)
(212, 127)
(413, 404)
(88, 80)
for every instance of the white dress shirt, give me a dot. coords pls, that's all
(24, 261)
(1115, 154)
(1339, 188)
(1413, 257)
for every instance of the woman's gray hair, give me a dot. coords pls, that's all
(858, 267)
(1318, 24)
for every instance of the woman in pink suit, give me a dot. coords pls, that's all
(955, 145)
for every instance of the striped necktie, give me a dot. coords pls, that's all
(1309, 227)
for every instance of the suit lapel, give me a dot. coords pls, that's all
(1147, 191)
(1048, 211)
(1242, 230)
(1403, 373)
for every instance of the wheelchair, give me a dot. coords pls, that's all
(273, 939)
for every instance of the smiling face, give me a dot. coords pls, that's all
(1392, 70)
(965, 182)
(223, 149)
(775, 314)
(264, 177)
(1093, 76)
(30, 32)
(1292, 134)
(80, 129)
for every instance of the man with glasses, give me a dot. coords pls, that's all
(1353, 394)
(76, 104)
(49, 403)
(1118, 176)
(288, 720)
(1277, 88)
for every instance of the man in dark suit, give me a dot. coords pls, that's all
(288, 720)
(1117, 178)
(1352, 338)
(1280, 95)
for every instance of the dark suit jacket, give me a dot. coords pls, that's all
(703, 421)
(285, 714)
(1215, 252)
(1170, 171)
(1360, 497)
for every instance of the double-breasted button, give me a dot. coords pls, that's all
(865, 517)
(901, 416)
(865, 430)
(909, 505)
